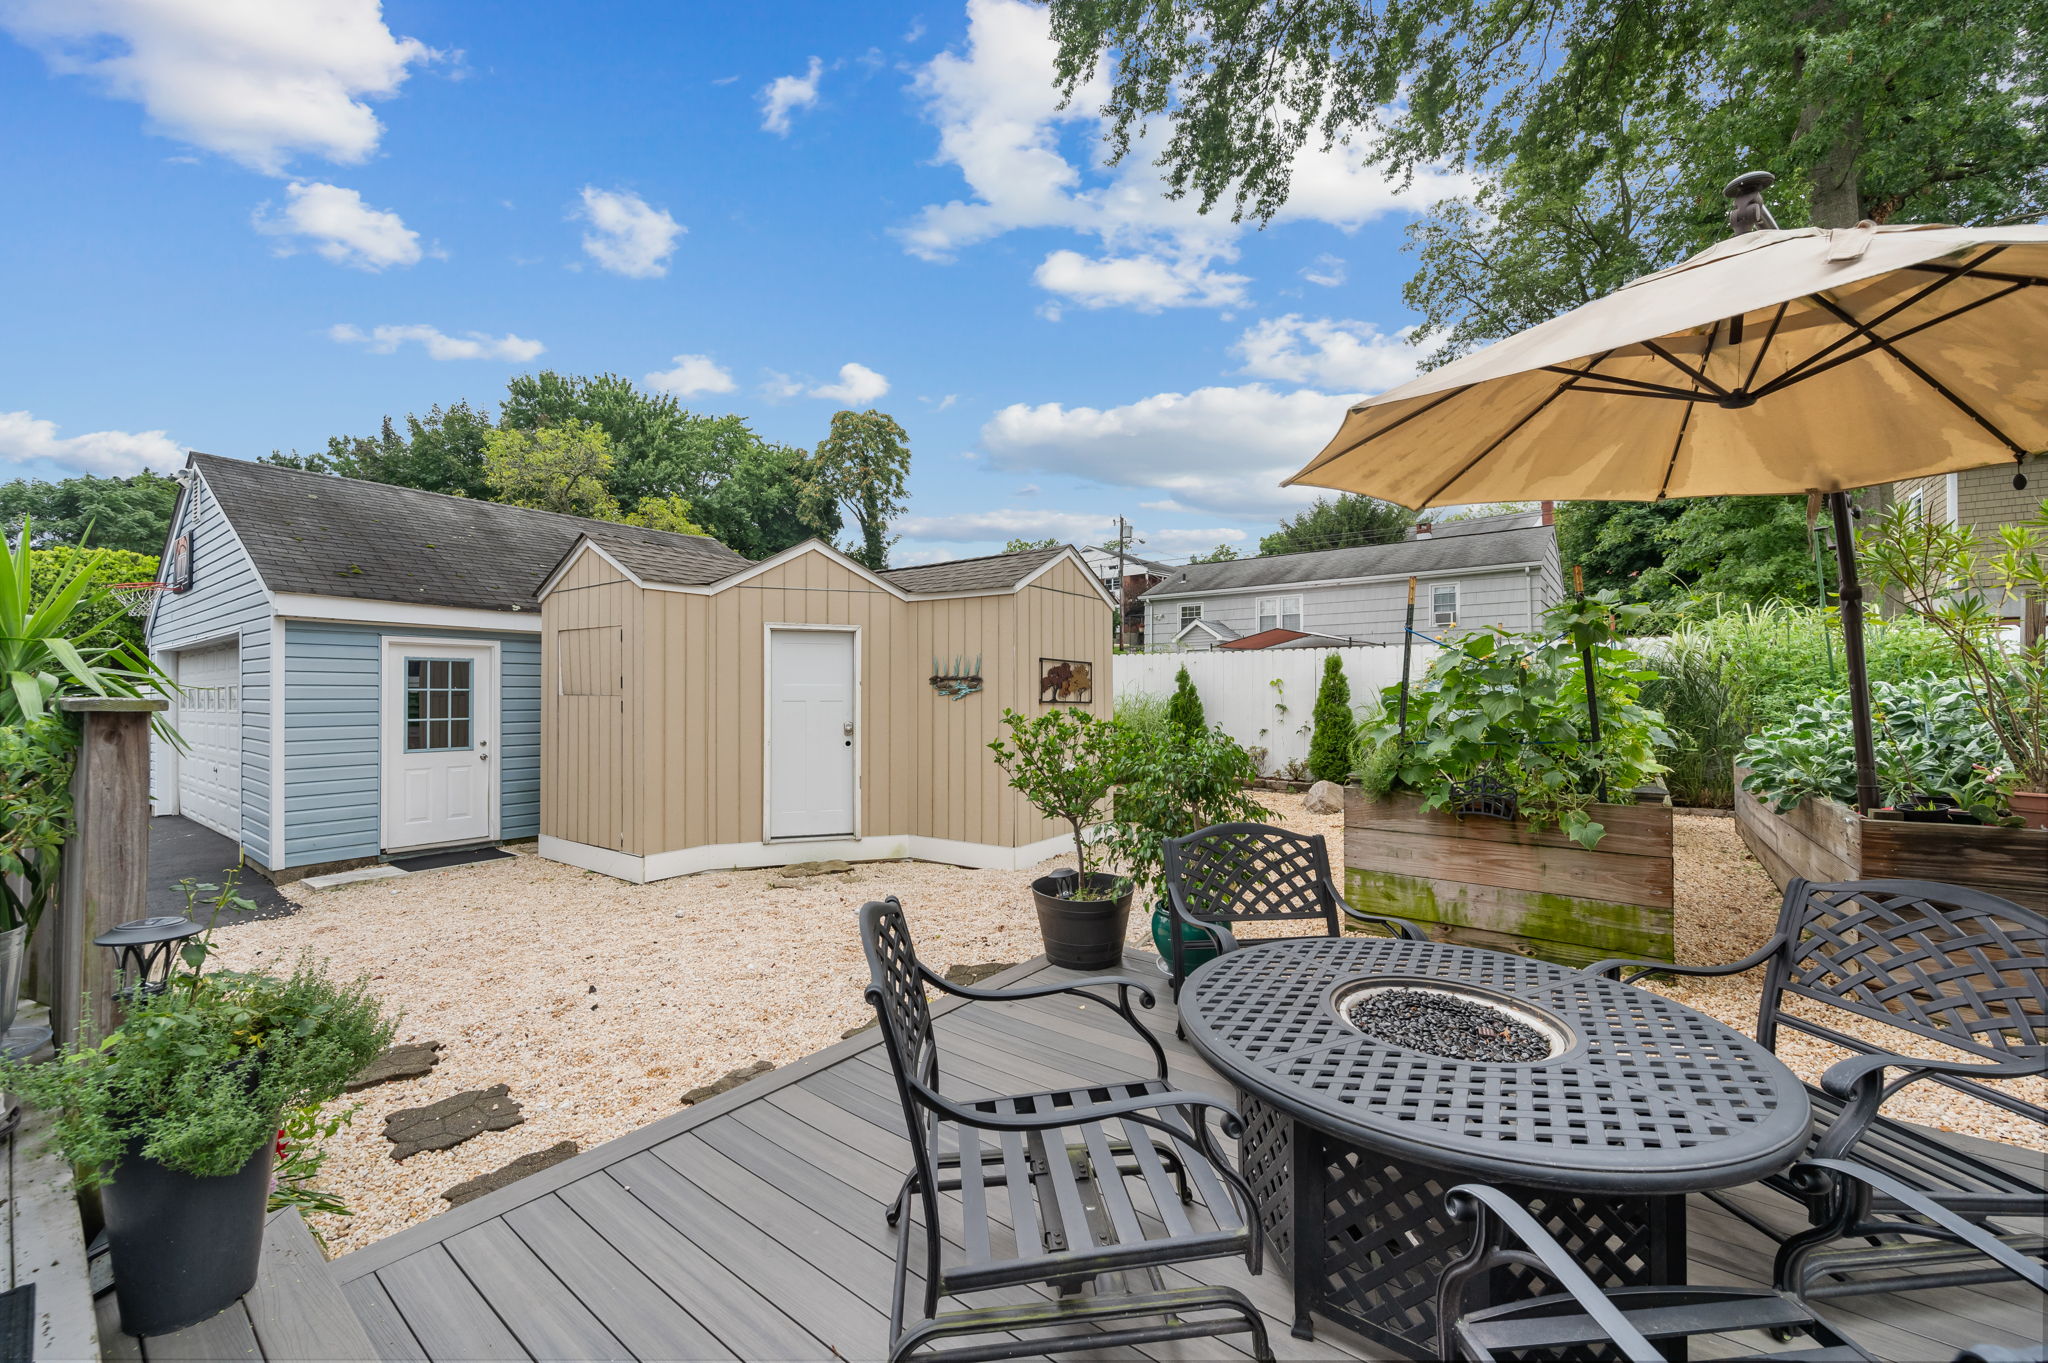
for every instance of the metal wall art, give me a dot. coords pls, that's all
(960, 682)
(1065, 682)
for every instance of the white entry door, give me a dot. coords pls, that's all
(811, 708)
(440, 741)
(210, 718)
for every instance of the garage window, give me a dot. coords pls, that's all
(437, 695)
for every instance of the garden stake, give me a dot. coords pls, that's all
(1407, 649)
(1592, 694)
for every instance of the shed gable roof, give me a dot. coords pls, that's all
(317, 534)
(991, 572)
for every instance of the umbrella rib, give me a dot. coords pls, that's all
(1633, 387)
(1886, 345)
(1685, 418)
(1385, 430)
(1799, 374)
(2002, 276)
(1696, 375)
(1525, 419)
(1948, 277)
(1777, 319)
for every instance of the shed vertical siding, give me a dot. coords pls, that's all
(590, 740)
(227, 598)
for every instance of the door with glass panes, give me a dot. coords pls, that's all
(440, 736)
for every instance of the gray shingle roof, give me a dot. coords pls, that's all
(990, 573)
(672, 560)
(1373, 560)
(327, 536)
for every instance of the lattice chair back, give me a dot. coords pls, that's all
(1950, 965)
(896, 989)
(1250, 873)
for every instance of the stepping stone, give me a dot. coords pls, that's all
(531, 1163)
(730, 1081)
(408, 1061)
(816, 868)
(975, 974)
(450, 1122)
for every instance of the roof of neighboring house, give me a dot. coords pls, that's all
(1286, 638)
(989, 573)
(1418, 556)
(327, 536)
(1217, 628)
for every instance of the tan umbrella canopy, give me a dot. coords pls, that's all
(1772, 362)
(1816, 359)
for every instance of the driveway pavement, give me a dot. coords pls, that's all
(180, 849)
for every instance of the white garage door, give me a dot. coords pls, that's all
(210, 718)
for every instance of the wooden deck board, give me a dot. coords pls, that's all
(751, 1227)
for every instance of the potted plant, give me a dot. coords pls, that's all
(1944, 575)
(174, 1116)
(1169, 790)
(1065, 762)
(36, 757)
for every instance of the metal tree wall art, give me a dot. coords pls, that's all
(1065, 682)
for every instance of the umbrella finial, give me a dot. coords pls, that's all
(1749, 212)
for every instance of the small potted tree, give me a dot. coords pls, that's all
(175, 1117)
(1065, 762)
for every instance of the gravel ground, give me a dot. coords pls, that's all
(603, 1010)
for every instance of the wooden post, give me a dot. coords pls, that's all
(106, 863)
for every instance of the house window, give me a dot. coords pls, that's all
(436, 704)
(1188, 613)
(1280, 612)
(1443, 605)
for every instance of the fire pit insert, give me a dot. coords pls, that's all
(1459, 1024)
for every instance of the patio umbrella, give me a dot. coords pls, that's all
(1804, 360)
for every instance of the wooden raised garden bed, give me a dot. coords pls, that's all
(1501, 884)
(1825, 841)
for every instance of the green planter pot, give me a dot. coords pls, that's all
(1197, 945)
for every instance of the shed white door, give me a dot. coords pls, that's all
(810, 733)
(210, 718)
(439, 725)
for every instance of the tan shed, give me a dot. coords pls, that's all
(695, 718)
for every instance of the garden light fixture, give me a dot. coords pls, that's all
(145, 952)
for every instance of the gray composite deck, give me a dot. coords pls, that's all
(751, 1226)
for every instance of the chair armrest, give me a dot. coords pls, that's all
(1477, 1202)
(1226, 940)
(1613, 964)
(1859, 1082)
(1120, 1005)
(1401, 926)
(1913, 1200)
(1075, 1116)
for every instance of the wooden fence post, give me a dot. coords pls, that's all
(106, 862)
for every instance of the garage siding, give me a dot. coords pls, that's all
(226, 598)
(333, 738)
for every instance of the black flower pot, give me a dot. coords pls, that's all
(185, 1248)
(1082, 933)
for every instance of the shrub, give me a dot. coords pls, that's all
(51, 642)
(1782, 656)
(1329, 746)
(1697, 690)
(1184, 710)
(1142, 713)
(1169, 790)
(36, 757)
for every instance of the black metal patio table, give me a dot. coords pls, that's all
(1350, 1142)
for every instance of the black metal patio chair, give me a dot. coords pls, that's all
(1892, 1206)
(1576, 1318)
(1117, 1177)
(1255, 873)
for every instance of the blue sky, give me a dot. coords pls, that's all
(239, 226)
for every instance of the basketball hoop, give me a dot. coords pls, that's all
(136, 596)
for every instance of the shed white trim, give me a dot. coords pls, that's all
(753, 855)
(349, 610)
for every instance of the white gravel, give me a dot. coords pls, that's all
(601, 1002)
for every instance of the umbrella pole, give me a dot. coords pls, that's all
(1592, 690)
(1407, 650)
(1849, 598)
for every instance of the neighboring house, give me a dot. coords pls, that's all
(1125, 580)
(359, 664)
(1500, 570)
(1983, 500)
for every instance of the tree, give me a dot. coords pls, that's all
(442, 451)
(1222, 553)
(97, 615)
(130, 514)
(558, 468)
(1184, 708)
(1020, 546)
(1329, 744)
(664, 513)
(1339, 522)
(762, 506)
(863, 465)
(1739, 550)
(1600, 131)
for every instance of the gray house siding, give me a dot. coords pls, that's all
(227, 598)
(1371, 612)
(334, 738)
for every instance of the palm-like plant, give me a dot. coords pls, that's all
(40, 656)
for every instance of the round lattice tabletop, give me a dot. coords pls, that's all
(1640, 1094)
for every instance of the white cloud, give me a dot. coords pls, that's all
(627, 235)
(1326, 270)
(1218, 450)
(337, 224)
(915, 31)
(116, 454)
(968, 527)
(1000, 122)
(785, 95)
(857, 384)
(256, 82)
(471, 345)
(693, 374)
(1145, 282)
(1326, 352)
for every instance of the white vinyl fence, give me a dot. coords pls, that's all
(1265, 698)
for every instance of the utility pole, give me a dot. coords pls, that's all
(1123, 584)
